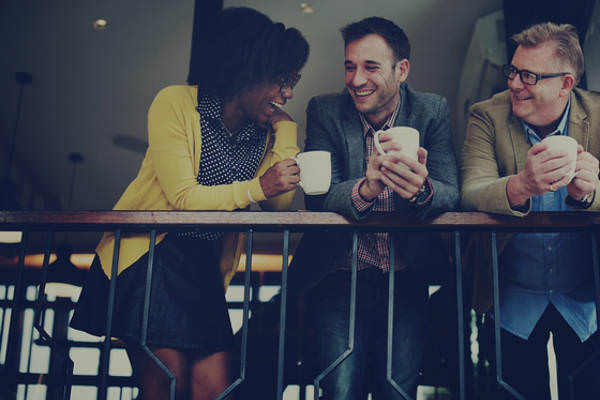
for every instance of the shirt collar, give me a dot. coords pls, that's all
(388, 124)
(561, 129)
(211, 108)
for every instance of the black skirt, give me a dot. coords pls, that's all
(187, 311)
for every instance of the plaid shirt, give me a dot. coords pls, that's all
(373, 247)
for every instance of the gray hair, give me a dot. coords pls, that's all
(568, 50)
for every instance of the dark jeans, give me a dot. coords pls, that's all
(525, 362)
(364, 370)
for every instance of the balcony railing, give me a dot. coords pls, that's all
(250, 222)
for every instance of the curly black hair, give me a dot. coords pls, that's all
(248, 49)
(393, 35)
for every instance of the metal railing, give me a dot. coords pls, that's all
(285, 222)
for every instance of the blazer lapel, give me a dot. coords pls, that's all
(579, 127)
(402, 119)
(404, 114)
(519, 141)
(354, 141)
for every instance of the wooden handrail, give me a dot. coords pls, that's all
(294, 220)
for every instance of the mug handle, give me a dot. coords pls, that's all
(377, 144)
(296, 159)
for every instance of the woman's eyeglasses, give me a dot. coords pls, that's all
(289, 80)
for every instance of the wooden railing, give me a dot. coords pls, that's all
(286, 222)
(295, 220)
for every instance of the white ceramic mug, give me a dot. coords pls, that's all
(315, 171)
(567, 143)
(405, 136)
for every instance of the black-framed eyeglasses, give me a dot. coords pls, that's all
(528, 77)
(289, 80)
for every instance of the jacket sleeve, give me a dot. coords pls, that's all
(483, 189)
(320, 130)
(595, 206)
(441, 164)
(171, 146)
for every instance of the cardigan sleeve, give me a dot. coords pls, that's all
(285, 145)
(171, 148)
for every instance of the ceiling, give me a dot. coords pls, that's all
(90, 86)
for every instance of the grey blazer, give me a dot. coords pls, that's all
(333, 124)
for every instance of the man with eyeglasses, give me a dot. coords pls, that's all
(546, 278)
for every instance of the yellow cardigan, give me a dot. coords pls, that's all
(167, 178)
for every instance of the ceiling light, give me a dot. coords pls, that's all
(306, 8)
(100, 24)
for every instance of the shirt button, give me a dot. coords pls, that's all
(550, 270)
(549, 248)
(550, 291)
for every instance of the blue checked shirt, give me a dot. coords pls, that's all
(548, 268)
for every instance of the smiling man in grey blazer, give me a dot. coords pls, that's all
(376, 98)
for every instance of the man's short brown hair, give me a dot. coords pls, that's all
(568, 49)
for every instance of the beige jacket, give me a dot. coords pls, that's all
(496, 147)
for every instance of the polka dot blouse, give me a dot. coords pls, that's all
(226, 156)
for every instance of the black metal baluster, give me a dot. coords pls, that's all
(145, 317)
(282, 315)
(41, 300)
(13, 349)
(3, 315)
(246, 314)
(69, 377)
(39, 305)
(105, 354)
(352, 319)
(460, 310)
(390, 330)
(61, 365)
(498, 341)
(28, 367)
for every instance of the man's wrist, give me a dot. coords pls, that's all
(423, 195)
(365, 191)
(516, 193)
(582, 203)
(361, 205)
